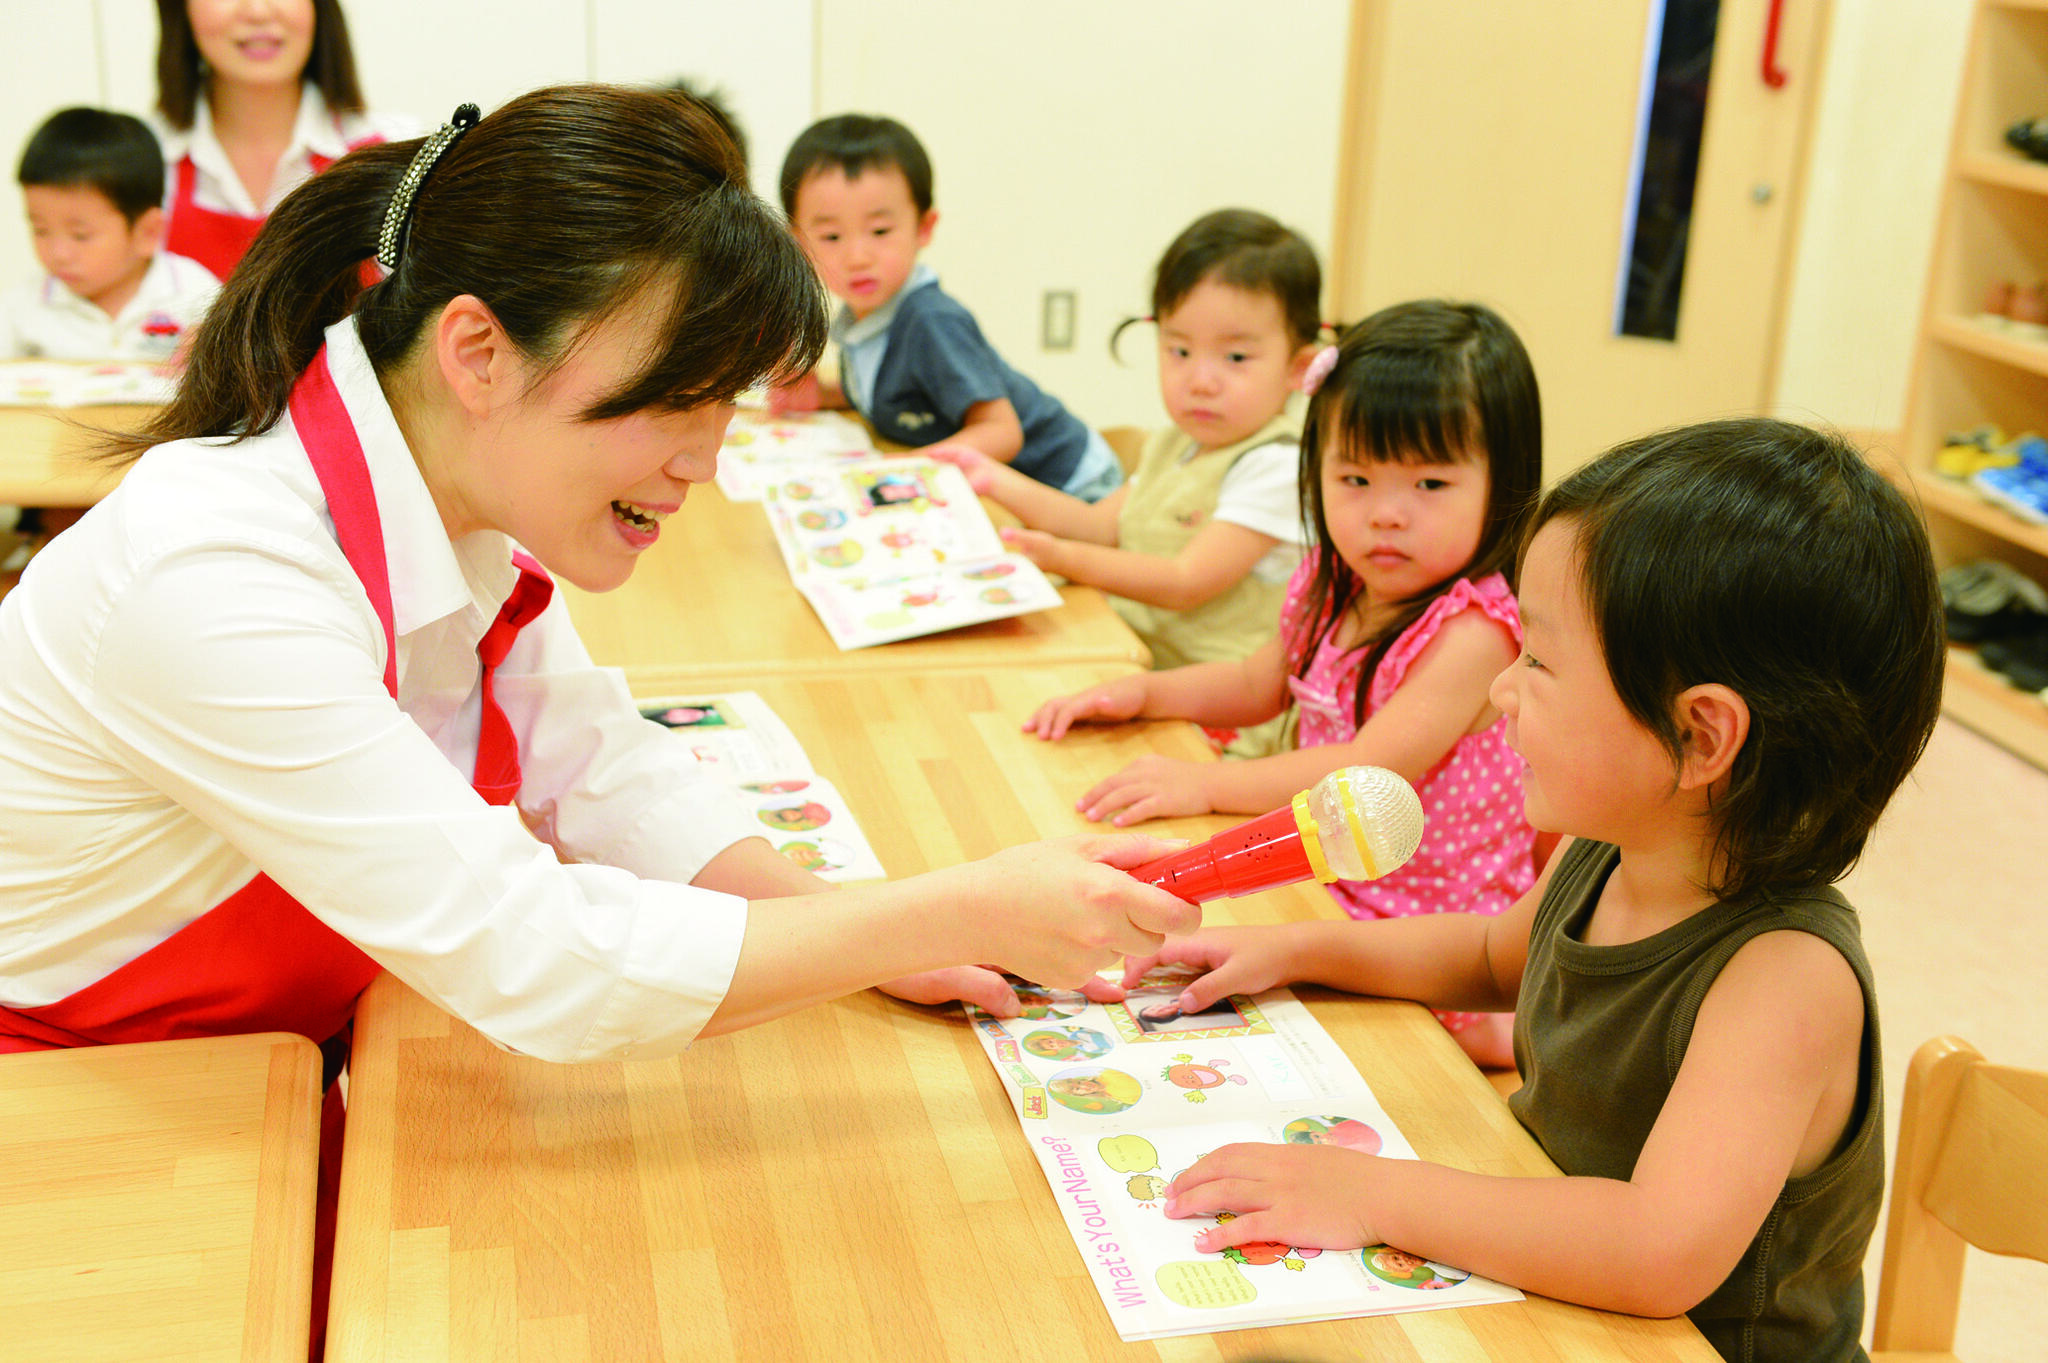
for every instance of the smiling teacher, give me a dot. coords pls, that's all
(296, 703)
(253, 97)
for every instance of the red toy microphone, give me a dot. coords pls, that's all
(1357, 823)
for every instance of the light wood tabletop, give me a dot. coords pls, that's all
(849, 1182)
(41, 453)
(156, 1200)
(713, 599)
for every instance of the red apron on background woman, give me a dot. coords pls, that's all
(215, 239)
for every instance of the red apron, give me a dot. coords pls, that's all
(214, 239)
(259, 961)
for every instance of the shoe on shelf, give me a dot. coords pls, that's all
(2027, 313)
(2021, 658)
(1967, 451)
(2029, 137)
(1988, 599)
(2020, 487)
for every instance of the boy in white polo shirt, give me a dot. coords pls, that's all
(93, 181)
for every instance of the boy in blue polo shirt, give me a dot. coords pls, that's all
(858, 192)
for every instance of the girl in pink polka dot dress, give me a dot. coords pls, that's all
(1422, 457)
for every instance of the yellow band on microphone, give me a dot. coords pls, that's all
(1347, 799)
(1311, 840)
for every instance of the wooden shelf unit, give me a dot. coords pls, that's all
(1969, 372)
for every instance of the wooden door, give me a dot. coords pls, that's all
(1489, 153)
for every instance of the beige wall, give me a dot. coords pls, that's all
(1073, 139)
(1873, 187)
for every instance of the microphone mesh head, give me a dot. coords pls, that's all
(1391, 812)
(1370, 821)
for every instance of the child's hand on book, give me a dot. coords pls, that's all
(1110, 703)
(1232, 961)
(979, 468)
(1312, 1196)
(1044, 550)
(801, 396)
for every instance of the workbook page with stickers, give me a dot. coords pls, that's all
(1117, 1099)
(745, 743)
(896, 548)
(61, 383)
(761, 449)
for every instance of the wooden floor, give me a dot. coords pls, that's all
(1953, 891)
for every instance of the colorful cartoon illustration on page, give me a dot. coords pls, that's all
(1095, 1089)
(1067, 1043)
(1136, 1156)
(798, 818)
(1185, 1073)
(1151, 1012)
(1344, 1131)
(838, 554)
(710, 715)
(1255, 1253)
(829, 518)
(819, 856)
(895, 487)
(1402, 1269)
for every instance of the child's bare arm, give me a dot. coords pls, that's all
(1195, 692)
(1442, 698)
(812, 392)
(1035, 504)
(991, 427)
(1764, 1093)
(1220, 556)
(1446, 960)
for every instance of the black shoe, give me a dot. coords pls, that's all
(1986, 599)
(2021, 658)
(2030, 136)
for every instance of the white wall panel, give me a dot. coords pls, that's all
(49, 59)
(1072, 140)
(757, 53)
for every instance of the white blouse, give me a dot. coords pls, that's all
(193, 689)
(44, 319)
(317, 132)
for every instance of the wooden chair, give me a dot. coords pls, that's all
(1126, 442)
(1972, 1169)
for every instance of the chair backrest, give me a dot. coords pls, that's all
(1972, 1169)
(1126, 442)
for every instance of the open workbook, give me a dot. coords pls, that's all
(736, 735)
(894, 548)
(63, 383)
(762, 449)
(1117, 1099)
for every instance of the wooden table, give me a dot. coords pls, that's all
(849, 1182)
(41, 459)
(712, 603)
(156, 1200)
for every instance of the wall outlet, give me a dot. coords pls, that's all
(1056, 320)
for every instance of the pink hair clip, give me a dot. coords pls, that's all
(1319, 369)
